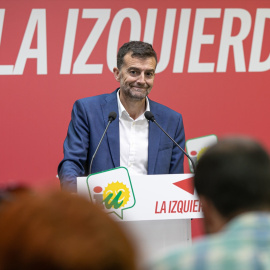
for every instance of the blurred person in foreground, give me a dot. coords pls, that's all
(60, 231)
(233, 183)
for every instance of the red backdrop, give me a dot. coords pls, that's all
(213, 69)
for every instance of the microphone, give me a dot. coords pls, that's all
(111, 117)
(150, 117)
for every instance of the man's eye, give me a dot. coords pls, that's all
(133, 72)
(150, 74)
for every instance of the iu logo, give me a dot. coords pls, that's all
(196, 147)
(116, 195)
(112, 190)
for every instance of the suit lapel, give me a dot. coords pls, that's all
(108, 106)
(153, 140)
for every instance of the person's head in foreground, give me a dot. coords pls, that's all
(61, 232)
(233, 183)
(233, 177)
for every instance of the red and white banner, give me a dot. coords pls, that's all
(214, 62)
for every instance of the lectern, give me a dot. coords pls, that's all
(156, 210)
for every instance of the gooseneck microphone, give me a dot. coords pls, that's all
(149, 116)
(112, 116)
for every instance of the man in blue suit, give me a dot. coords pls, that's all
(131, 141)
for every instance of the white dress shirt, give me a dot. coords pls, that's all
(133, 140)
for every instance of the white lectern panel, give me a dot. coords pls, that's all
(161, 215)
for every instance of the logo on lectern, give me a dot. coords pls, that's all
(116, 195)
(112, 190)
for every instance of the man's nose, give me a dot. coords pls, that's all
(141, 78)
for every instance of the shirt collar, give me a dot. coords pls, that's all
(122, 110)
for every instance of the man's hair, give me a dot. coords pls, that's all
(138, 49)
(61, 231)
(235, 175)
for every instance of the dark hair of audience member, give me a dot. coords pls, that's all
(235, 176)
(61, 232)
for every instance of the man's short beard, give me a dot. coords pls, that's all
(131, 96)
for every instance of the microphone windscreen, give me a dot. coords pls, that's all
(112, 116)
(149, 116)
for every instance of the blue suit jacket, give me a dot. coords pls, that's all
(88, 122)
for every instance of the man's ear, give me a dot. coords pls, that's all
(213, 220)
(116, 74)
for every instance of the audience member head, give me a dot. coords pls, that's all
(12, 191)
(137, 49)
(61, 231)
(232, 177)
